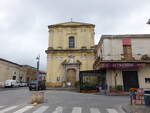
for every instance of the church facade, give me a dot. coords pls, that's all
(70, 50)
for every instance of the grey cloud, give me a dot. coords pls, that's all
(23, 23)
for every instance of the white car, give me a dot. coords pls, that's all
(17, 84)
(11, 83)
(23, 84)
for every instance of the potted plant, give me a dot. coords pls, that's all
(87, 88)
(112, 89)
(119, 89)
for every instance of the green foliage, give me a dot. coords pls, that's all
(77, 84)
(117, 88)
(87, 86)
(111, 87)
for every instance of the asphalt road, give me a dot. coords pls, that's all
(16, 100)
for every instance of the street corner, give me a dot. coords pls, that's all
(128, 108)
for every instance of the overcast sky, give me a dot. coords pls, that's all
(23, 23)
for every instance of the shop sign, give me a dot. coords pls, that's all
(121, 65)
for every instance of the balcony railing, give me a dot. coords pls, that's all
(121, 61)
(122, 57)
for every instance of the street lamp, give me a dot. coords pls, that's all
(148, 22)
(37, 73)
(38, 63)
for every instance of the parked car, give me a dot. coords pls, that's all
(37, 85)
(11, 83)
(23, 84)
(16, 84)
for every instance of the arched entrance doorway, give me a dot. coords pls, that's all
(71, 76)
(71, 70)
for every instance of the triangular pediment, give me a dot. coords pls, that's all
(71, 23)
(74, 23)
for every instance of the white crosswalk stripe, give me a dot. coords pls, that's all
(76, 110)
(112, 111)
(94, 110)
(24, 109)
(44, 108)
(1, 106)
(59, 109)
(8, 109)
(41, 109)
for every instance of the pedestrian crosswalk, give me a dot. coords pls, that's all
(22, 110)
(111, 111)
(41, 109)
(8, 109)
(47, 109)
(77, 110)
(59, 109)
(1, 106)
(94, 110)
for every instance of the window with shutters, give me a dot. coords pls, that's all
(127, 49)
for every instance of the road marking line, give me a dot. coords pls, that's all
(112, 111)
(76, 110)
(94, 110)
(8, 109)
(24, 109)
(41, 109)
(59, 109)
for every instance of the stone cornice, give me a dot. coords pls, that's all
(70, 50)
(71, 24)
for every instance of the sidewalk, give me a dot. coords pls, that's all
(136, 108)
(63, 89)
(113, 94)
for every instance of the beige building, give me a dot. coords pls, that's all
(21, 73)
(70, 49)
(10, 70)
(30, 72)
(126, 59)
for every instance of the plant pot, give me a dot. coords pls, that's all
(87, 91)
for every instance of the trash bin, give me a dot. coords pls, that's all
(147, 97)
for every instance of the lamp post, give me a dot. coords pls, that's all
(148, 22)
(37, 73)
(38, 64)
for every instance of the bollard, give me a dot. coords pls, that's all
(37, 98)
(33, 98)
(40, 97)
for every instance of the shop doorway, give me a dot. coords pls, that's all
(130, 80)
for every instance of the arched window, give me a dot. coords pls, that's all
(71, 42)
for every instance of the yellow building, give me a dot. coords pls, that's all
(70, 50)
